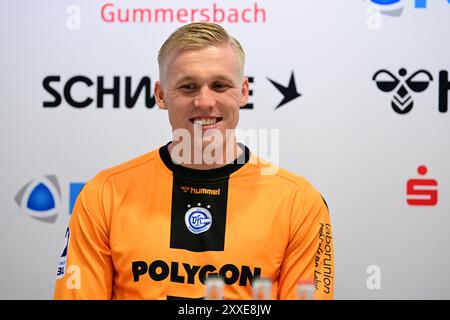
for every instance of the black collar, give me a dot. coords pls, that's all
(211, 174)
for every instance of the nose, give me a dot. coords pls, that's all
(205, 98)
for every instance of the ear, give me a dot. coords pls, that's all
(159, 96)
(245, 91)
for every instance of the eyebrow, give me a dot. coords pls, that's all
(194, 79)
(185, 79)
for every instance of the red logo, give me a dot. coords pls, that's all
(422, 192)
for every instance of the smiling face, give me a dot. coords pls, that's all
(203, 88)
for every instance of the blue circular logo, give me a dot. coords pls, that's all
(385, 2)
(198, 220)
(40, 198)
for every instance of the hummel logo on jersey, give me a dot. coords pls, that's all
(212, 192)
(185, 188)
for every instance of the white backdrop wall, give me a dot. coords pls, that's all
(342, 133)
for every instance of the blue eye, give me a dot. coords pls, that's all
(188, 87)
(220, 86)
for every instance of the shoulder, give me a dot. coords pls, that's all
(296, 185)
(128, 170)
(268, 171)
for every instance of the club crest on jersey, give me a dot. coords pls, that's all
(198, 219)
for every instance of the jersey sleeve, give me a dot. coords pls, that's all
(85, 269)
(309, 256)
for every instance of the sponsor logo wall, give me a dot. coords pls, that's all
(358, 90)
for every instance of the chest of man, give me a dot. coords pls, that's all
(168, 236)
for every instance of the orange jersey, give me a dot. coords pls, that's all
(151, 229)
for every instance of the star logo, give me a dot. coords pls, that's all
(289, 93)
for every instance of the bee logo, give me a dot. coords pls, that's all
(402, 101)
(185, 188)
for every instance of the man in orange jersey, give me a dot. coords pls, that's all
(158, 226)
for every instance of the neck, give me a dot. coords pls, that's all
(206, 157)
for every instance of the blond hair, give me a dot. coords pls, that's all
(199, 35)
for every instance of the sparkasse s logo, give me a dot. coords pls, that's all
(422, 191)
